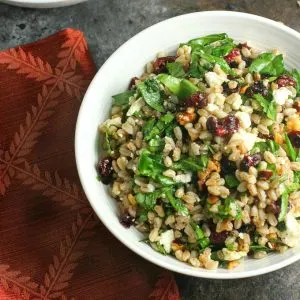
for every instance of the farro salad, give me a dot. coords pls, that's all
(202, 153)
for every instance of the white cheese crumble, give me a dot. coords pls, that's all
(244, 119)
(291, 236)
(166, 239)
(247, 138)
(233, 255)
(135, 107)
(281, 95)
(211, 107)
(213, 79)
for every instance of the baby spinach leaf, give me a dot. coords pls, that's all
(191, 163)
(231, 181)
(223, 48)
(296, 74)
(152, 129)
(217, 60)
(150, 91)
(268, 63)
(176, 203)
(284, 206)
(122, 99)
(148, 200)
(202, 240)
(206, 40)
(269, 107)
(256, 248)
(175, 69)
(226, 209)
(182, 88)
(290, 149)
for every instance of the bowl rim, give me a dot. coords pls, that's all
(160, 262)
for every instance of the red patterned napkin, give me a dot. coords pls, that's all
(52, 244)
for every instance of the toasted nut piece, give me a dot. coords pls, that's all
(293, 124)
(233, 264)
(212, 199)
(278, 138)
(176, 246)
(185, 117)
(244, 89)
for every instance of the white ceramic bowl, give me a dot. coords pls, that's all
(114, 76)
(42, 3)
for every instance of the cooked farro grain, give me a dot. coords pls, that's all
(204, 157)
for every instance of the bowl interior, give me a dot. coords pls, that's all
(114, 76)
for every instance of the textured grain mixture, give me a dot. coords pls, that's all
(202, 153)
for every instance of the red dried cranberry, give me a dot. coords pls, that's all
(273, 208)
(294, 137)
(105, 170)
(232, 55)
(132, 83)
(285, 80)
(257, 88)
(211, 124)
(218, 238)
(229, 91)
(250, 161)
(197, 100)
(222, 127)
(126, 220)
(227, 166)
(159, 66)
(266, 136)
(265, 174)
(296, 105)
(231, 123)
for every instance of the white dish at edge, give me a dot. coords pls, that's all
(114, 76)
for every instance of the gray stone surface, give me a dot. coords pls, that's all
(109, 23)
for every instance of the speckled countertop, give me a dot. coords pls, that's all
(109, 23)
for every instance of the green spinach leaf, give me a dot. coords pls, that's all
(206, 40)
(268, 63)
(176, 203)
(175, 69)
(150, 91)
(122, 99)
(202, 240)
(269, 107)
(191, 163)
(231, 181)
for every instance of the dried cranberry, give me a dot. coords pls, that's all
(126, 220)
(250, 161)
(266, 136)
(285, 80)
(273, 208)
(257, 88)
(229, 91)
(232, 55)
(132, 83)
(197, 100)
(105, 170)
(227, 166)
(231, 123)
(159, 66)
(222, 127)
(265, 174)
(294, 137)
(218, 237)
(296, 105)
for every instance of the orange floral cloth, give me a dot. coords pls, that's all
(52, 246)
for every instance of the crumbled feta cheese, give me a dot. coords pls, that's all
(237, 102)
(247, 138)
(166, 239)
(233, 255)
(184, 178)
(211, 107)
(244, 119)
(291, 236)
(281, 95)
(135, 107)
(213, 79)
